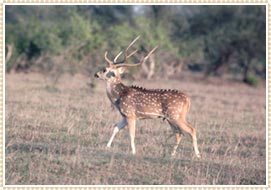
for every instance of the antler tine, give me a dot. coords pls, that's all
(111, 63)
(147, 57)
(115, 60)
(143, 60)
(132, 53)
(131, 44)
(117, 57)
(126, 56)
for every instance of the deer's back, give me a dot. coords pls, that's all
(145, 103)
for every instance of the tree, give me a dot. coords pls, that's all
(238, 38)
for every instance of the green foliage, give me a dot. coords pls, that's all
(240, 37)
(252, 80)
(76, 30)
(224, 38)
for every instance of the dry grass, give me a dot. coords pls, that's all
(57, 135)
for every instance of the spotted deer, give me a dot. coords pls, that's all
(139, 103)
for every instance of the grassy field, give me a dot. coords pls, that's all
(57, 134)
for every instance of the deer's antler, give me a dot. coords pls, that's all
(143, 60)
(123, 63)
(126, 56)
(111, 63)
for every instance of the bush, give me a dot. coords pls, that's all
(252, 80)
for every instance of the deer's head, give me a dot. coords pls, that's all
(115, 68)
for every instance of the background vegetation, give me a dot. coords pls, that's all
(211, 40)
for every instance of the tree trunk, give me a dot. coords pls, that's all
(9, 54)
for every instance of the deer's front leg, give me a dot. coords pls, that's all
(131, 125)
(118, 127)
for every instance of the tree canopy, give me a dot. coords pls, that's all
(215, 39)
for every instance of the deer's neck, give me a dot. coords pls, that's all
(115, 90)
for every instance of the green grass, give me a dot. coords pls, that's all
(58, 135)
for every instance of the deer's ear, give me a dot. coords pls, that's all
(121, 70)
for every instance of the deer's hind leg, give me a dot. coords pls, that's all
(178, 134)
(117, 128)
(183, 125)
